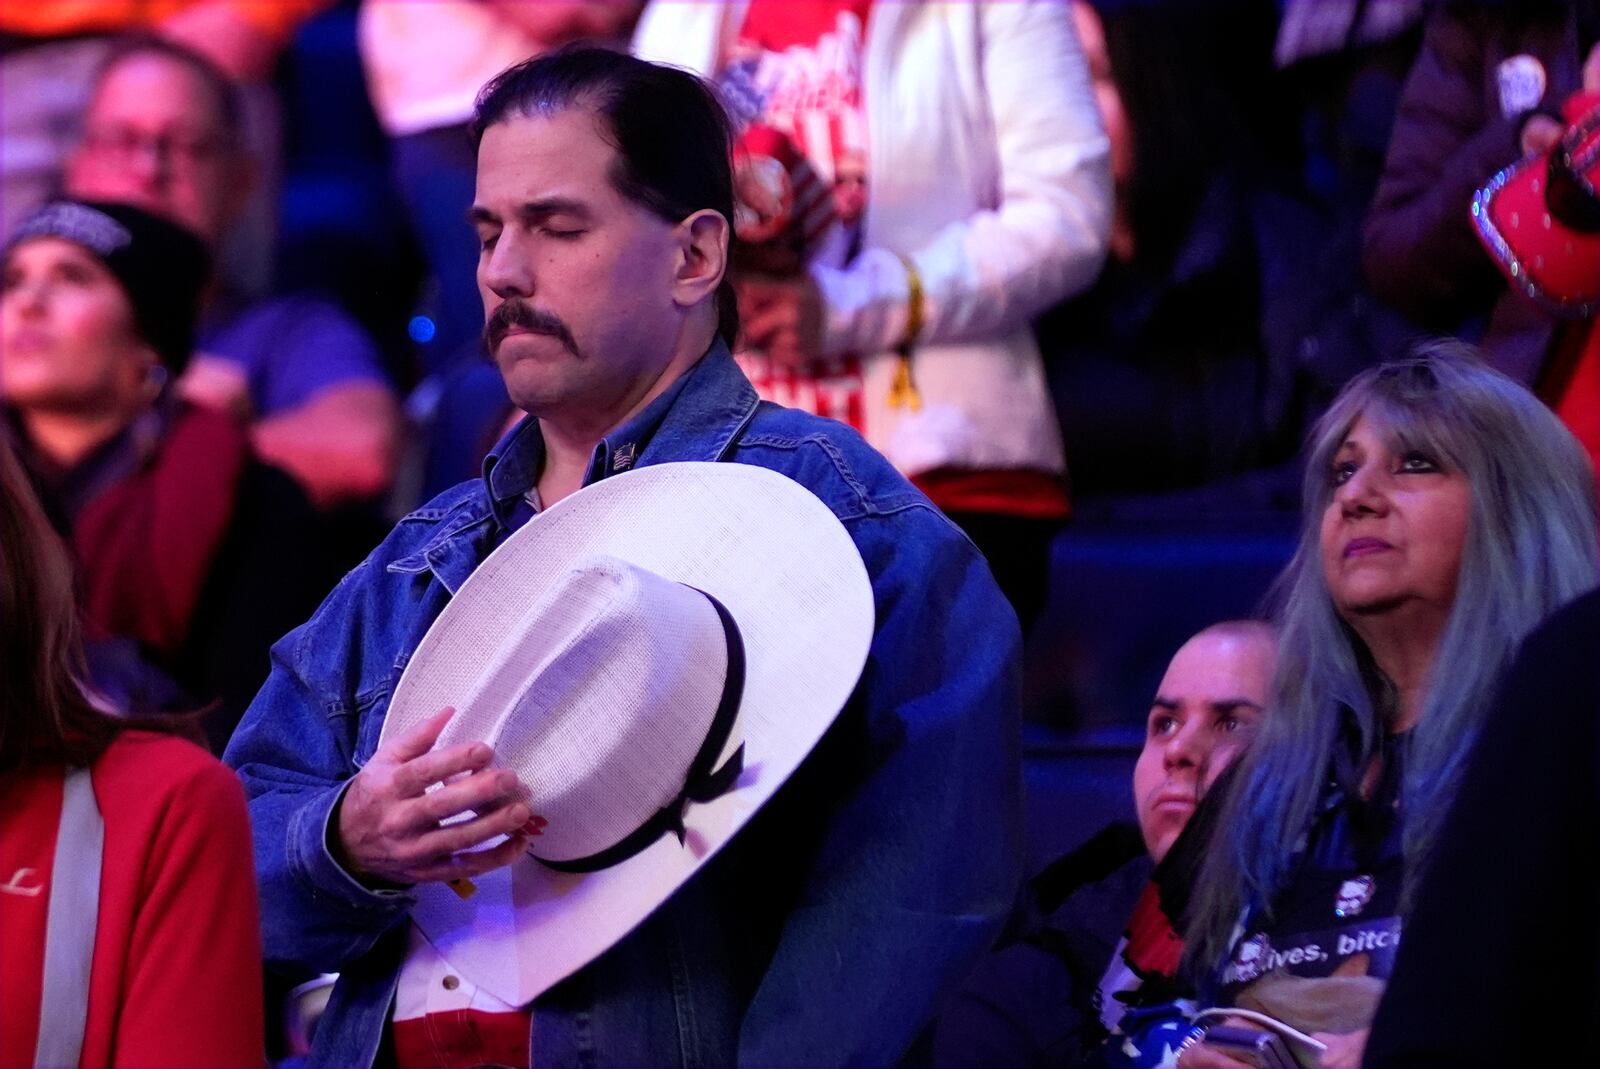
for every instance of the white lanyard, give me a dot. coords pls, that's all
(70, 925)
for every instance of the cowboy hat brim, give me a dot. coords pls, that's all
(789, 574)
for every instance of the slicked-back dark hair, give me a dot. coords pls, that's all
(672, 137)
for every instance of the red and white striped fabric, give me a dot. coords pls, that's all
(794, 82)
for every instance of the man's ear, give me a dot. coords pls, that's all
(703, 257)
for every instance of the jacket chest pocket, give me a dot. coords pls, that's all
(370, 713)
(372, 705)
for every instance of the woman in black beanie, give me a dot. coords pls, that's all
(192, 557)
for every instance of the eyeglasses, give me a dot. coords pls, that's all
(124, 144)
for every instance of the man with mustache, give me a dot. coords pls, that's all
(516, 316)
(826, 935)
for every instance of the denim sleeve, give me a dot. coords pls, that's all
(920, 855)
(294, 751)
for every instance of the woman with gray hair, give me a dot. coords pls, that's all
(1447, 513)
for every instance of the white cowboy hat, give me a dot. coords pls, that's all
(599, 651)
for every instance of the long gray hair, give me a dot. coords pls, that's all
(1531, 545)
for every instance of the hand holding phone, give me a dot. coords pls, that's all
(1250, 1046)
(1241, 1030)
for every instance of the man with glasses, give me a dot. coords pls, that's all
(162, 132)
(49, 50)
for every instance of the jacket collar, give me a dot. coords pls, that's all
(699, 417)
(696, 418)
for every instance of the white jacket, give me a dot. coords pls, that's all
(987, 166)
(425, 62)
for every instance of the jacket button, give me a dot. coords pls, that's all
(452, 982)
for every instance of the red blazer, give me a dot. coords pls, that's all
(176, 980)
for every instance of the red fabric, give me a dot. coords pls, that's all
(176, 980)
(53, 18)
(146, 544)
(781, 24)
(1577, 107)
(1028, 494)
(30, 805)
(1574, 389)
(1154, 949)
(811, 74)
(800, 171)
(462, 1039)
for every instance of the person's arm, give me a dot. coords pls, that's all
(295, 753)
(192, 992)
(908, 815)
(341, 445)
(1498, 966)
(1418, 248)
(324, 410)
(338, 847)
(990, 274)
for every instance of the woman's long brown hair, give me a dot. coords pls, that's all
(45, 719)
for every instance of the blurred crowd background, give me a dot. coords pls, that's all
(1292, 180)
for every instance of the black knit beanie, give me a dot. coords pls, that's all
(162, 267)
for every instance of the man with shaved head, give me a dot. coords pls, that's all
(1205, 711)
(1043, 999)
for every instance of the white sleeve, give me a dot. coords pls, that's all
(684, 34)
(990, 274)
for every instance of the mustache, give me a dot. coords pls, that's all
(516, 314)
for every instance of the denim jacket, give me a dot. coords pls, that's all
(829, 930)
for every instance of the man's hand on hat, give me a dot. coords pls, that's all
(388, 822)
(221, 32)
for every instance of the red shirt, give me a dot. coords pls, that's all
(176, 979)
